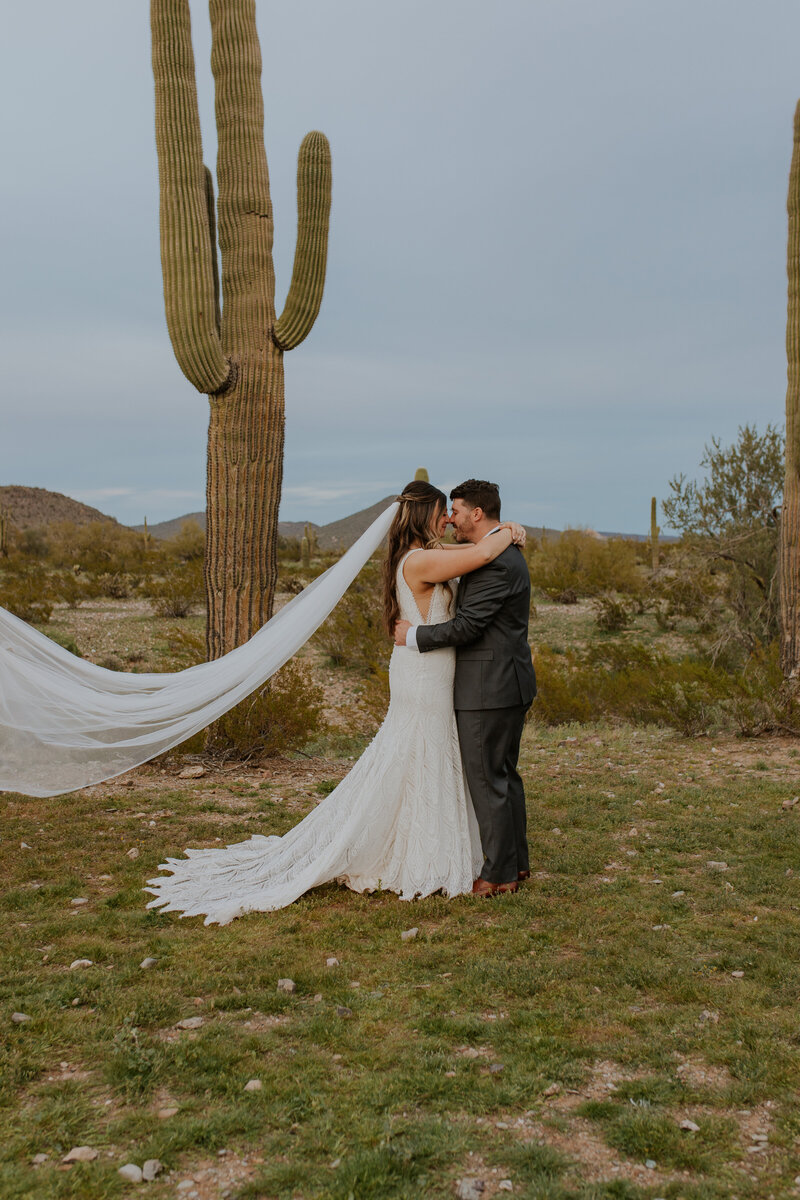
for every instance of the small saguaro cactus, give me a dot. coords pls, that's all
(312, 539)
(789, 555)
(3, 535)
(654, 532)
(233, 349)
(305, 553)
(421, 475)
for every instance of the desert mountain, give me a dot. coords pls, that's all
(32, 507)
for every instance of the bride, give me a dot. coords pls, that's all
(401, 820)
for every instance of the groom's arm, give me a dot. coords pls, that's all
(487, 594)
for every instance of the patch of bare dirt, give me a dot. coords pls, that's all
(697, 1073)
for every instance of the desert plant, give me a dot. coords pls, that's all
(584, 564)
(729, 527)
(305, 553)
(421, 474)
(4, 531)
(790, 513)
(611, 613)
(188, 544)
(27, 592)
(654, 532)
(233, 353)
(178, 592)
(311, 534)
(281, 716)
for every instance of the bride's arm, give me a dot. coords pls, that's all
(439, 565)
(519, 536)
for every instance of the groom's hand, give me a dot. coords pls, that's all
(400, 631)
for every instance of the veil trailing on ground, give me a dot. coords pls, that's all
(66, 723)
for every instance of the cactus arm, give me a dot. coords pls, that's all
(185, 246)
(313, 218)
(244, 209)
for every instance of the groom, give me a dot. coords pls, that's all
(494, 685)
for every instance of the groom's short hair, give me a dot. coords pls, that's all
(479, 493)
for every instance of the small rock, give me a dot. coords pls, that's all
(20, 1018)
(633, 831)
(408, 935)
(80, 962)
(791, 803)
(449, 1074)
(317, 997)
(38, 1159)
(81, 1154)
(502, 1125)
(190, 1023)
(336, 1162)
(131, 1173)
(717, 866)
(185, 1185)
(287, 985)
(164, 1114)
(253, 1085)
(737, 974)
(150, 1169)
(343, 1011)
(505, 1185)
(690, 1126)
(650, 1163)
(760, 1137)
(192, 773)
(556, 831)
(470, 1189)
(147, 963)
(708, 1014)
(132, 853)
(331, 962)
(676, 894)
(78, 901)
(24, 846)
(496, 1068)
(552, 1090)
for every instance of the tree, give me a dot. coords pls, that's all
(233, 351)
(730, 525)
(790, 515)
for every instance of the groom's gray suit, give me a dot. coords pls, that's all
(494, 687)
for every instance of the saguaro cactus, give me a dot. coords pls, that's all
(789, 561)
(233, 351)
(654, 532)
(3, 535)
(421, 474)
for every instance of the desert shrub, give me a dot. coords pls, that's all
(353, 635)
(586, 565)
(611, 613)
(99, 547)
(632, 683)
(187, 545)
(279, 717)
(72, 588)
(176, 593)
(117, 585)
(26, 590)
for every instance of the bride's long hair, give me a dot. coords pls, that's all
(415, 524)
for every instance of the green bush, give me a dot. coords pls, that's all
(178, 592)
(353, 635)
(586, 565)
(281, 716)
(187, 545)
(611, 613)
(26, 590)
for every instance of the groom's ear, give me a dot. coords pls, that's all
(477, 515)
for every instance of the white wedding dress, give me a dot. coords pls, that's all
(401, 820)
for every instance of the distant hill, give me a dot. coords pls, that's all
(31, 507)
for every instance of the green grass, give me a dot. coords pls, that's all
(596, 971)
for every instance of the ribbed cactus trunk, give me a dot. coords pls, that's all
(234, 350)
(789, 562)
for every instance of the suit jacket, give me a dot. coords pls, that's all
(490, 633)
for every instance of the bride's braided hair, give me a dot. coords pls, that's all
(415, 524)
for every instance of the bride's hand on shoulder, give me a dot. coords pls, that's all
(518, 532)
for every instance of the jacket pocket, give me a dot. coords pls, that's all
(475, 655)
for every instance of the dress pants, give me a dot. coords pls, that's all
(489, 740)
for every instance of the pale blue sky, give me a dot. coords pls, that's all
(557, 253)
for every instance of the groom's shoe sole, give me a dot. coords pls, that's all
(523, 875)
(482, 887)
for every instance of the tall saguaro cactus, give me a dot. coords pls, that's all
(654, 532)
(233, 349)
(789, 562)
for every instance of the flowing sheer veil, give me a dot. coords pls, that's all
(66, 723)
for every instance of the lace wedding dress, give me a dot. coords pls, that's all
(401, 820)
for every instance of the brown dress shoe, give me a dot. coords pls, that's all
(523, 875)
(482, 887)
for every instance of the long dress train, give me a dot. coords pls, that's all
(401, 820)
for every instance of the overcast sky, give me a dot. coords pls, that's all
(557, 252)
